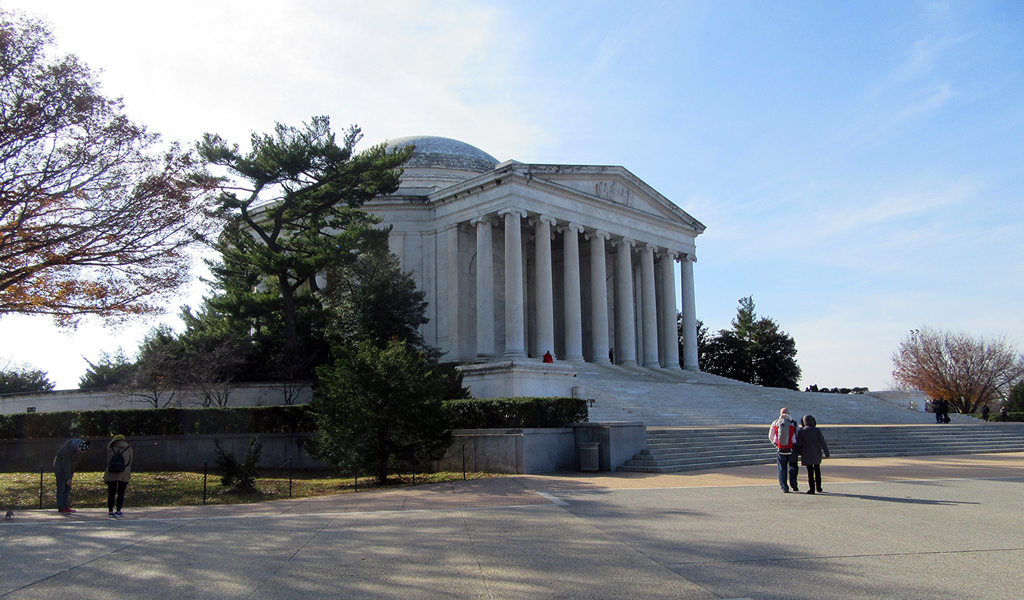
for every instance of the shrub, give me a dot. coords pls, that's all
(500, 413)
(241, 476)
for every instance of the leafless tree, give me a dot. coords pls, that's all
(209, 374)
(966, 371)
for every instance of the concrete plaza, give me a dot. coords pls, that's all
(927, 527)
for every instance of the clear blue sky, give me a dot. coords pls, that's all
(859, 165)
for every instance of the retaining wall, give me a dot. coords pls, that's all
(511, 451)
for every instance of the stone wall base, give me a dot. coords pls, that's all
(509, 451)
(528, 377)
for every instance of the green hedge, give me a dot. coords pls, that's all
(163, 421)
(499, 413)
(502, 413)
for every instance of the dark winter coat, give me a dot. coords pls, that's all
(67, 457)
(811, 443)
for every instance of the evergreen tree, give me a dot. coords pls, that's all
(370, 298)
(754, 350)
(24, 379)
(109, 371)
(291, 210)
(379, 408)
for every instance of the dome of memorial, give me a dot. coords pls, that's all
(433, 152)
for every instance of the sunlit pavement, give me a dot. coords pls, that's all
(927, 527)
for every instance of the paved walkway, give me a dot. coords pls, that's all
(924, 527)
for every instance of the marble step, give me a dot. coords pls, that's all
(682, 450)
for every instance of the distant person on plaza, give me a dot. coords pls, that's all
(548, 358)
(783, 435)
(64, 469)
(937, 409)
(984, 412)
(945, 411)
(812, 447)
(1003, 413)
(117, 474)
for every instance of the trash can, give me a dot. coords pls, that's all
(590, 456)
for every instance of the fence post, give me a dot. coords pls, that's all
(289, 478)
(463, 462)
(204, 483)
(40, 487)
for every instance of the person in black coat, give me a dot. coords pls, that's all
(811, 445)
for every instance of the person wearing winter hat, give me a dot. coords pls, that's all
(64, 470)
(117, 474)
(812, 446)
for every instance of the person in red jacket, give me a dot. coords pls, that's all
(783, 435)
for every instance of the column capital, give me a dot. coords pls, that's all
(604, 235)
(543, 219)
(688, 257)
(482, 220)
(625, 241)
(652, 248)
(512, 211)
(669, 254)
(571, 227)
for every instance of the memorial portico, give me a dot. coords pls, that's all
(518, 260)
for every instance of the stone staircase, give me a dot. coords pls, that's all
(688, 449)
(699, 421)
(664, 398)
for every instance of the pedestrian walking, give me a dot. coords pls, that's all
(117, 474)
(783, 435)
(812, 446)
(984, 412)
(64, 470)
(1003, 413)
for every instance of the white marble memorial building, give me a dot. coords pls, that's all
(522, 259)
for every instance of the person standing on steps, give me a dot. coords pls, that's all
(117, 474)
(64, 470)
(811, 445)
(783, 435)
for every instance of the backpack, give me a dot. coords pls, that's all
(116, 464)
(784, 434)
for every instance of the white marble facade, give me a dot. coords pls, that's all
(521, 259)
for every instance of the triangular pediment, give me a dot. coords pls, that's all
(611, 184)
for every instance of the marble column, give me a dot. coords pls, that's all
(544, 286)
(689, 315)
(599, 296)
(625, 331)
(451, 316)
(669, 330)
(515, 313)
(484, 290)
(571, 292)
(649, 311)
